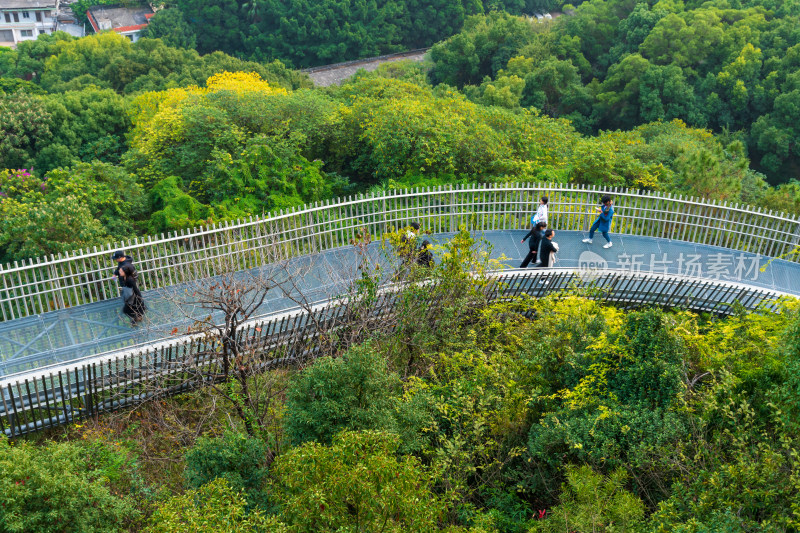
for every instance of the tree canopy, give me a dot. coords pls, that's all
(718, 65)
(588, 98)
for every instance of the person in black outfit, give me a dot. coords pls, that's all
(134, 303)
(535, 235)
(547, 249)
(424, 255)
(122, 260)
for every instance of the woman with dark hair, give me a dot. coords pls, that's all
(603, 221)
(536, 233)
(134, 303)
(547, 250)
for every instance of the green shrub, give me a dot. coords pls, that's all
(507, 511)
(213, 508)
(739, 469)
(593, 502)
(754, 491)
(605, 435)
(236, 458)
(649, 371)
(356, 484)
(116, 462)
(353, 392)
(479, 419)
(51, 488)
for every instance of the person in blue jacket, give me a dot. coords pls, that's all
(603, 222)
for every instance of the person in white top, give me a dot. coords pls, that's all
(541, 212)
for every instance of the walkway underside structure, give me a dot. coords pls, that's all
(67, 352)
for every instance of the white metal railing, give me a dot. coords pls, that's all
(66, 280)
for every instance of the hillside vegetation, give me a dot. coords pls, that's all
(729, 66)
(112, 140)
(524, 416)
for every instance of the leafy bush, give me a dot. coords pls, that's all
(175, 209)
(592, 502)
(480, 416)
(26, 128)
(88, 204)
(213, 508)
(116, 462)
(606, 435)
(52, 489)
(738, 471)
(357, 483)
(649, 370)
(755, 490)
(624, 409)
(556, 347)
(353, 392)
(169, 26)
(44, 228)
(238, 459)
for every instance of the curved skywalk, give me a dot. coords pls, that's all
(88, 330)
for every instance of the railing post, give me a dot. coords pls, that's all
(453, 207)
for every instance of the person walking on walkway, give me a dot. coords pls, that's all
(603, 221)
(122, 260)
(541, 212)
(547, 250)
(131, 295)
(535, 235)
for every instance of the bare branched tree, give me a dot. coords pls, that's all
(230, 298)
(219, 312)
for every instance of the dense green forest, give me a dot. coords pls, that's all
(304, 33)
(106, 139)
(729, 66)
(528, 415)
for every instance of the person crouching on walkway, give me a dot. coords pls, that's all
(547, 250)
(603, 221)
(535, 235)
(131, 296)
(424, 254)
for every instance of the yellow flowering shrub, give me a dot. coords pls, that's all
(241, 82)
(181, 131)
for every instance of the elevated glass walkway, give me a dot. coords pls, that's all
(76, 333)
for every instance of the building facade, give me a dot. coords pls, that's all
(127, 21)
(25, 20)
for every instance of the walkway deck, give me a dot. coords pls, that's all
(88, 330)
